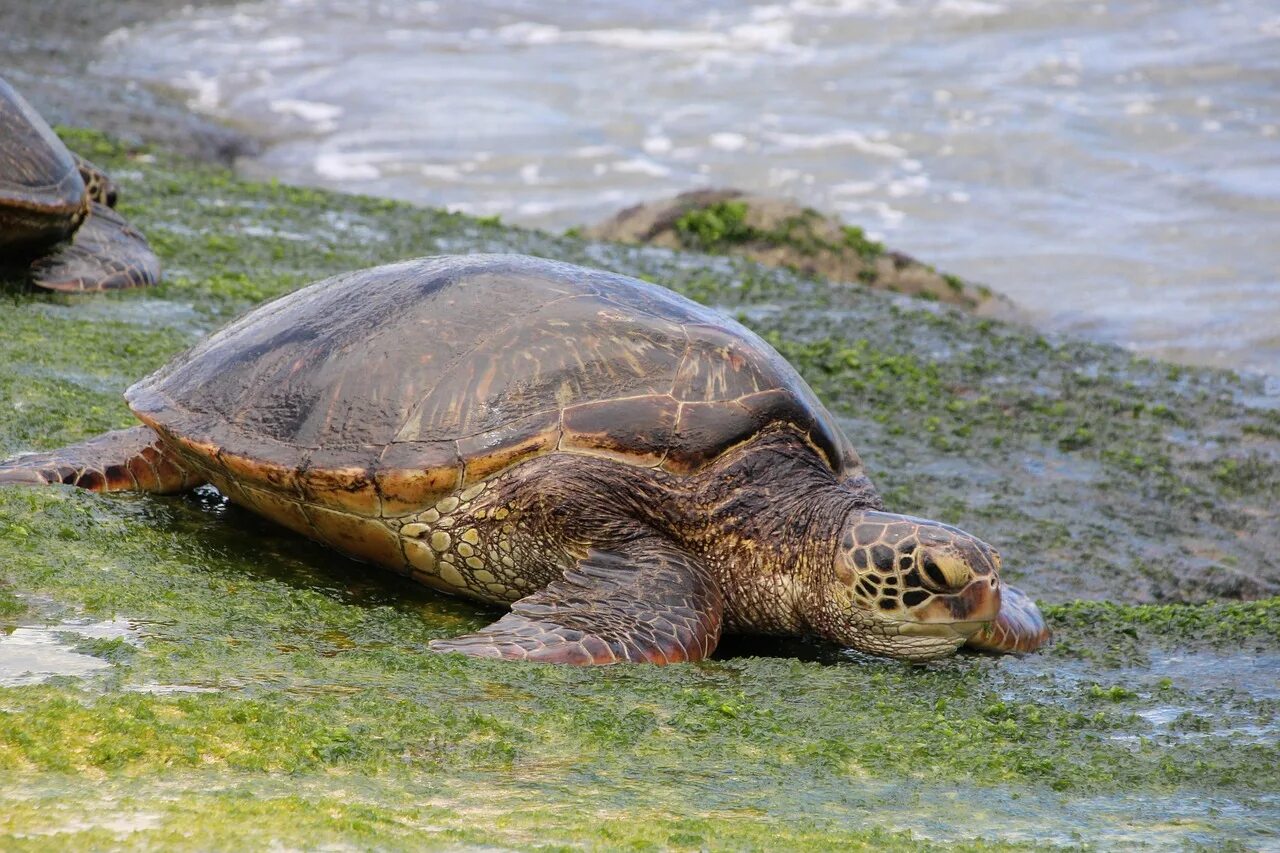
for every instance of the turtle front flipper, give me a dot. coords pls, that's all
(134, 460)
(105, 254)
(1019, 627)
(642, 601)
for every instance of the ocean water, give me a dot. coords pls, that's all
(1114, 167)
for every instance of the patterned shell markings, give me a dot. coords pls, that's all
(382, 390)
(42, 196)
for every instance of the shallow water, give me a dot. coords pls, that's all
(1115, 167)
(31, 655)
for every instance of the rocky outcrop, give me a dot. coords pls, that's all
(780, 232)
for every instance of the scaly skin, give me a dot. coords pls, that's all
(780, 554)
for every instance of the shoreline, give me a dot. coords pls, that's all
(52, 69)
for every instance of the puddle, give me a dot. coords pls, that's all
(1036, 817)
(169, 689)
(140, 309)
(31, 655)
(274, 233)
(119, 825)
(348, 225)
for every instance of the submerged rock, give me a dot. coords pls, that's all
(781, 233)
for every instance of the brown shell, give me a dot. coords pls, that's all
(381, 391)
(42, 195)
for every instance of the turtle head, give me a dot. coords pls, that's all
(909, 588)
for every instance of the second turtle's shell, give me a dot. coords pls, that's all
(42, 196)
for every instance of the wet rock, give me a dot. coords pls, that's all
(782, 233)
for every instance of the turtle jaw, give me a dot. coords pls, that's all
(912, 642)
(943, 624)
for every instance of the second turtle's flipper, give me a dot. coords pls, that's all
(104, 254)
(643, 601)
(131, 460)
(1019, 627)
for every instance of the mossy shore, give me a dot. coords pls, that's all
(240, 686)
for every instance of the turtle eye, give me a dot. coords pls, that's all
(942, 572)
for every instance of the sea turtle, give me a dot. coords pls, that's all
(630, 471)
(57, 211)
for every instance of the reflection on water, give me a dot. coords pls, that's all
(1113, 166)
(30, 655)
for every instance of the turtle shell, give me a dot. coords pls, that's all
(382, 391)
(42, 195)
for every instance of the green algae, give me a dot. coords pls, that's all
(278, 691)
(10, 605)
(716, 226)
(722, 225)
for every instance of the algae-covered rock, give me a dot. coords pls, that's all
(268, 692)
(781, 233)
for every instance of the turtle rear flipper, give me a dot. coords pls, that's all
(133, 460)
(1019, 627)
(643, 601)
(105, 254)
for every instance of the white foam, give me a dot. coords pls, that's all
(773, 35)
(440, 171)
(853, 188)
(524, 32)
(890, 217)
(204, 91)
(835, 139)
(535, 208)
(323, 116)
(280, 44)
(337, 166)
(727, 141)
(657, 144)
(589, 151)
(912, 185)
(630, 38)
(641, 166)
(846, 8)
(780, 175)
(968, 8)
(243, 21)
